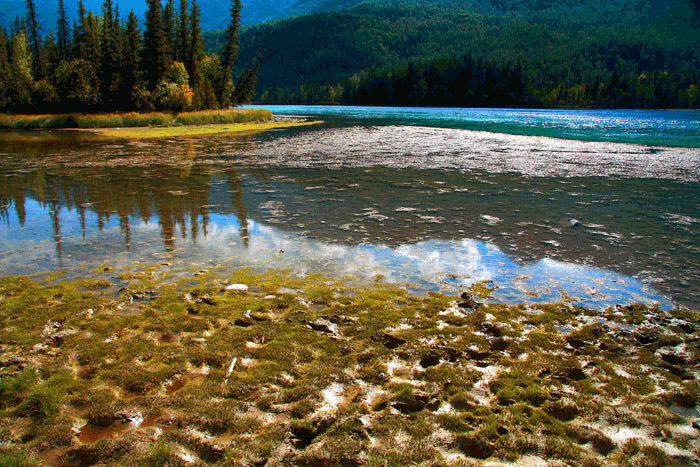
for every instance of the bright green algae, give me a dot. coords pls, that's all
(158, 367)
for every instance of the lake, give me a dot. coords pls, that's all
(590, 207)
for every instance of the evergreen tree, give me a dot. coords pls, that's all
(154, 62)
(230, 53)
(79, 35)
(63, 38)
(196, 51)
(92, 39)
(130, 62)
(4, 70)
(169, 29)
(34, 38)
(110, 63)
(182, 34)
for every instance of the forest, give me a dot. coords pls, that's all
(428, 56)
(105, 63)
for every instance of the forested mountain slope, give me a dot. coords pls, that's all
(314, 58)
(214, 12)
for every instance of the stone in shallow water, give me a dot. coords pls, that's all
(237, 288)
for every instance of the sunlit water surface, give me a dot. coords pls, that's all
(545, 219)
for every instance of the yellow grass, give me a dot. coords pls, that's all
(133, 119)
(192, 130)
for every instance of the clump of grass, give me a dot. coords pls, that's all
(14, 389)
(19, 460)
(223, 116)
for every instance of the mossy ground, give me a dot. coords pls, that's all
(328, 374)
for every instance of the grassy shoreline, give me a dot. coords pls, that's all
(153, 125)
(133, 119)
(152, 366)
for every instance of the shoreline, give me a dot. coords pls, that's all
(156, 364)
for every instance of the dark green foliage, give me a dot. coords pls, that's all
(557, 56)
(34, 37)
(109, 64)
(230, 52)
(155, 59)
(182, 34)
(63, 38)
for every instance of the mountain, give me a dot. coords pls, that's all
(215, 12)
(559, 43)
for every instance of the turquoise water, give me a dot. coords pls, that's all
(678, 128)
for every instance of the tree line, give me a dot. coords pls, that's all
(107, 63)
(477, 82)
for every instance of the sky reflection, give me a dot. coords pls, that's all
(433, 265)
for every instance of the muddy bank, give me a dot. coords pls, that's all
(155, 366)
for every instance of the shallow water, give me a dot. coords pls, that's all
(546, 219)
(679, 128)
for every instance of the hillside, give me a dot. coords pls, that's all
(214, 12)
(310, 58)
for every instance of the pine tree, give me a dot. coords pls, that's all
(230, 52)
(4, 70)
(34, 38)
(154, 59)
(196, 49)
(130, 60)
(110, 58)
(245, 86)
(63, 38)
(169, 29)
(79, 49)
(182, 34)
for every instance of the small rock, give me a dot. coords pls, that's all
(237, 288)
(468, 302)
(696, 424)
(574, 222)
(270, 297)
(324, 326)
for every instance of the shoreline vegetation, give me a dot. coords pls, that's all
(133, 119)
(134, 125)
(154, 366)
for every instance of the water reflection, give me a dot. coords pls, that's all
(436, 229)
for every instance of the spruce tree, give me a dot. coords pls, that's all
(182, 34)
(79, 49)
(154, 59)
(196, 49)
(110, 58)
(4, 70)
(169, 29)
(130, 60)
(34, 38)
(230, 52)
(63, 38)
